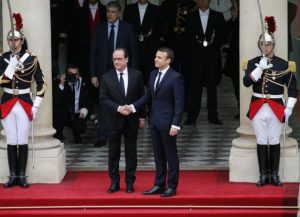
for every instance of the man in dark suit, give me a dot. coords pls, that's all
(108, 36)
(121, 86)
(166, 93)
(146, 19)
(82, 21)
(206, 35)
(70, 103)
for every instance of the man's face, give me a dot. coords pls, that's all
(72, 74)
(112, 14)
(267, 49)
(119, 60)
(203, 4)
(142, 1)
(161, 60)
(18, 43)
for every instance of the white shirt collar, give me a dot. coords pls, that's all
(144, 6)
(95, 6)
(125, 71)
(115, 23)
(164, 70)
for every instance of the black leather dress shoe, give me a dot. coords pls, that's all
(215, 121)
(113, 188)
(169, 192)
(129, 188)
(154, 190)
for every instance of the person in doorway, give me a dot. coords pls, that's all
(71, 103)
(205, 29)
(268, 75)
(18, 69)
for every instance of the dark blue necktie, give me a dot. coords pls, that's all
(158, 80)
(111, 40)
(122, 84)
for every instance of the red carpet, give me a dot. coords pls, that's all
(196, 188)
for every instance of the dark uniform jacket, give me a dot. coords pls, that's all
(21, 80)
(272, 82)
(175, 14)
(151, 29)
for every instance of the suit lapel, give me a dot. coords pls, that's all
(130, 80)
(209, 24)
(117, 82)
(136, 15)
(161, 83)
(199, 23)
(147, 13)
(119, 33)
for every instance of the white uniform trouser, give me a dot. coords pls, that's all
(16, 126)
(266, 126)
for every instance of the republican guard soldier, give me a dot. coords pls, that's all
(268, 75)
(18, 70)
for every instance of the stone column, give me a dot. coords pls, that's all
(243, 162)
(50, 160)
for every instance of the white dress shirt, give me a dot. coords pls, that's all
(76, 87)
(204, 18)
(80, 2)
(125, 78)
(163, 72)
(142, 11)
(93, 9)
(116, 28)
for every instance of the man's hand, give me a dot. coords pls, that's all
(287, 112)
(94, 81)
(62, 79)
(128, 109)
(263, 64)
(34, 111)
(142, 123)
(173, 131)
(13, 65)
(124, 110)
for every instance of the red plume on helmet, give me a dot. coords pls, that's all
(271, 24)
(19, 21)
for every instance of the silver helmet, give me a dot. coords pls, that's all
(270, 27)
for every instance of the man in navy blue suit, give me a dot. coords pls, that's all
(110, 35)
(166, 93)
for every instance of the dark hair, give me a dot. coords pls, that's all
(169, 51)
(73, 66)
(124, 51)
(113, 4)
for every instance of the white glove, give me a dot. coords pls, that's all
(287, 112)
(263, 64)
(256, 73)
(12, 67)
(34, 111)
(83, 112)
(37, 101)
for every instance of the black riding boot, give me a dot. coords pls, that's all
(263, 163)
(12, 156)
(22, 162)
(274, 164)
